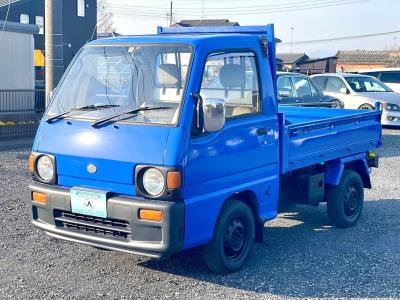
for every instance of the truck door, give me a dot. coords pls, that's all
(241, 156)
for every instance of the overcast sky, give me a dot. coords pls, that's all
(310, 20)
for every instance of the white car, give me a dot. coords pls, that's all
(362, 92)
(389, 76)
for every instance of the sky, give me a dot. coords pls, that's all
(310, 20)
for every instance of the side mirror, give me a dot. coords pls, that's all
(283, 94)
(214, 114)
(344, 91)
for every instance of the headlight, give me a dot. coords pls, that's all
(45, 168)
(390, 106)
(153, 181)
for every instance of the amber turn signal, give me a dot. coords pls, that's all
(150, 214)
(173, 180)
(31, 163)
(39, 198)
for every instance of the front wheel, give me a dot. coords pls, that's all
(233, 238)
(345, 201)
(366, 107)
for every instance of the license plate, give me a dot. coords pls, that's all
(89, 203)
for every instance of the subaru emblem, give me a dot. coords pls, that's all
(91, 168)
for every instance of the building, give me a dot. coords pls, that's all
(78, 22)
(290, 61)
(352, 61)
(16, 57)
(317, 65)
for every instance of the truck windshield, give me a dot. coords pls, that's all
(122, 78)
(366, 84)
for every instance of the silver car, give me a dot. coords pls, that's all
(362, 92)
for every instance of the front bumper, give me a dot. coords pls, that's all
(390, 118)
(121, 231)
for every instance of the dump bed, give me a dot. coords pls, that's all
(313, 135)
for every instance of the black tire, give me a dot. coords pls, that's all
(233, 238)
(345, 201)
(366, 107)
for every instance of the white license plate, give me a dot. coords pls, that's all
(89, 203)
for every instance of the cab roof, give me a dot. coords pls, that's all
(192, 39)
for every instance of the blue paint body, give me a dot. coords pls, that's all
(220, 164)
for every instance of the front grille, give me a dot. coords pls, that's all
(111, 228)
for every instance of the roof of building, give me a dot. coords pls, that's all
(364, 56)
(18, 27)
(205, 22)
(290, 58)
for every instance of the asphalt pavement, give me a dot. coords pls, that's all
(302, 256)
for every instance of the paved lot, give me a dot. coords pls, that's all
(303, 256)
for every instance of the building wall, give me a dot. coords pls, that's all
(345, 67)
(77, 30)
(16, 61)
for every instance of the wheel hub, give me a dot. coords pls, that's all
(351, 201)
(234, 239)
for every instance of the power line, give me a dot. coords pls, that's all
(341, 38)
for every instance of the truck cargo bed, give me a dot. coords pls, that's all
(313, 135)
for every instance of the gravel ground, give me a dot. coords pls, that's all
(303, 256)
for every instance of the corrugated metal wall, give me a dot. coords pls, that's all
(16, 61)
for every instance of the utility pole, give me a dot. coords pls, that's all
(170, 15)
(54, 44)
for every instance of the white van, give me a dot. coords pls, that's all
(390, 76)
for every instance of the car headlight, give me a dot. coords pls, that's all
(45, 168)
(391, 106)
(153, 181)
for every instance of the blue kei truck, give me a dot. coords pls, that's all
(160, 143)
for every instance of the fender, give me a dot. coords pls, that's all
(358, 163)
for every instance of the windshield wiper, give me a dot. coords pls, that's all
(133, 111)
(86, 107)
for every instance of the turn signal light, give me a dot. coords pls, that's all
(173, 180)
(39, 198)
(150, 214)
(31, 162)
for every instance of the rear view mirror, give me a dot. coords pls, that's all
(214, 114)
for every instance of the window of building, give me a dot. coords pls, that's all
(81, 8)
(24, 18)
(234, 78)
(39, 21)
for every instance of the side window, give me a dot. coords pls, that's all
(314, 90)
(390, 77)
(335, 84)
(302, 86)
(234, 78)
(285, 87)
(320, 81)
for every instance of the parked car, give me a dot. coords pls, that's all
(389, 76)
(300, 90)
(362, 92)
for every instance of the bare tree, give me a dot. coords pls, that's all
(105, 21)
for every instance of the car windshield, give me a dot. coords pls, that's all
(115, 79)
(361, 84)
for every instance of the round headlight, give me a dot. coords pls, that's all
(153, 181)
(45, 168)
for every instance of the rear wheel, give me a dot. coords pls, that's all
(345, 201)
(366, 107)
(233, 238)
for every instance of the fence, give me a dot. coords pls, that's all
(20, 112)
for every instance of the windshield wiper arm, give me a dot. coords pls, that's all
(86, 107)
(133, 111)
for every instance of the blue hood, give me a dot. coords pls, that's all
(114, 150)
